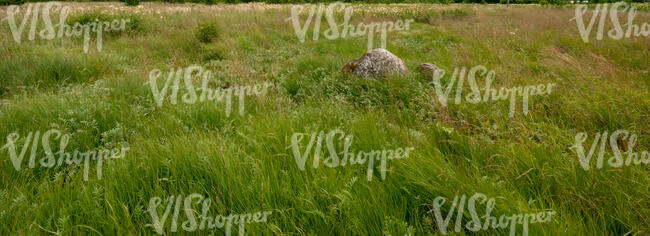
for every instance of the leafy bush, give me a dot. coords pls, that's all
(208, 32)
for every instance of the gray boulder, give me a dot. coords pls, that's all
(376, 63)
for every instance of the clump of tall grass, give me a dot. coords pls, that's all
(456, 14)
(54, 69)
(136, 23)
(213, 53)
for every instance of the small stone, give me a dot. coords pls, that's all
(427, 69)
(376, 63)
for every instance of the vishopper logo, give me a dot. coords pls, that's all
(334, 32)
(344, 157)
(203, 221)
(49, 32)
(599, 144)
(206, 93)
(490, 221)
(490, 94)
(49, 160)
(627, 30)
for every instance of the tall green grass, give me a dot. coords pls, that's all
(244, 163)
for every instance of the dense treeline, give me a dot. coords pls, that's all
(135, 2)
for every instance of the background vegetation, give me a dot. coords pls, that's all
(135, 2)
(243, 162)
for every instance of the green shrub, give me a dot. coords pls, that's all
(207, 32)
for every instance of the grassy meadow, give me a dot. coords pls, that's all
(244, 163)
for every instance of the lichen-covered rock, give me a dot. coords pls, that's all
(376, 63)
(428, 69)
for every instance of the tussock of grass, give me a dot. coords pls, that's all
(52, 70)
(135, 24)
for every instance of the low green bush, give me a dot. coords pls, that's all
(207, 32)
